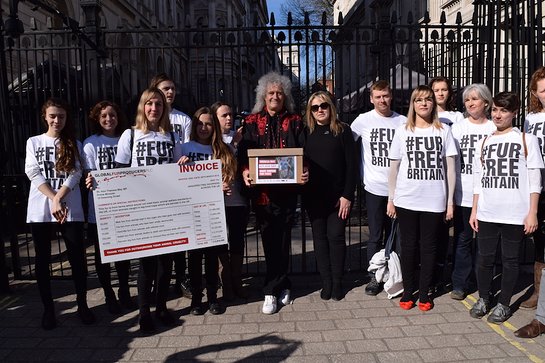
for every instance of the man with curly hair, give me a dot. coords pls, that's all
(273, 124)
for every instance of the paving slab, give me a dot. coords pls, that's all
(358, 328)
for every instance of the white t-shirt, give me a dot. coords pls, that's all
(466, 135)
(181, 124)
(422, 179)
(535, 125)
(148, 149)
(376, 134)
(195, 152)
(98, 154)
(41, 155)
(228, 138)
(450, 117)
(501, 176)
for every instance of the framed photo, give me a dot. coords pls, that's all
(276, 166)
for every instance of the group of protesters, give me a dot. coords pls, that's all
(434, 166)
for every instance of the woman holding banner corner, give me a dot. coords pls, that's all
(206, 143)
(107, 123)
(151, 142)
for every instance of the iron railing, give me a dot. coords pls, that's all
(500, 46)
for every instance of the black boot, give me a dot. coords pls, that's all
(111, 302)
(49, 321)
(125, 298)
(337, 293)
(327, 287)
(85, 314)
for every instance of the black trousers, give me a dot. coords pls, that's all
(379, 223)
(211, 266)
(72, 233)
(490, 236)
(180, 266)
(237, 220)
(328, 234)
(419, 231)
(275, 221)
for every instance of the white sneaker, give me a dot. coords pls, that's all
(285, 298)
(269, 305)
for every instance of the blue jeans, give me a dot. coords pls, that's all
(464, 250)
(490, 236)
(540, 313)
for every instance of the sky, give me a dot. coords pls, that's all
(273, 6)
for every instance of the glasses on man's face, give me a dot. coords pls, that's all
(423, 100)
(323, 106)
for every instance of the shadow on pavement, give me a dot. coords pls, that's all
(277, 349)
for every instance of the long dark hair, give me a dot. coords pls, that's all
(67, 150)
(220, 150)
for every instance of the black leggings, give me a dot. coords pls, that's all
(103, 269)
(419, 234)
(72, 233)
(159, 267)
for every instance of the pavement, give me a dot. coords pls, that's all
(359, 328)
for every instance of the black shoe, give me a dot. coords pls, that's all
(49, 321)
(113, 305)
(337, 292)
(146, 323)
(197, 309)
(373, 287)
(86, 315)
(215, 308)
(125, 299)
(185, 288)
(165, 317)
(325, 294)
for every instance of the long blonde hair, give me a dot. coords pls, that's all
(141, 119)
(220, 150)
(418, 92)
(335, 125)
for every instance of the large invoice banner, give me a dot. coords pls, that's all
(159, 209)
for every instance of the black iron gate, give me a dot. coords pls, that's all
(500, 46)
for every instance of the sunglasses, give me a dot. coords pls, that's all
(323, 106)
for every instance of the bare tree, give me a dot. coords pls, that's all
(315, 9)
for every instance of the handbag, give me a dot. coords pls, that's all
(387, 266)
